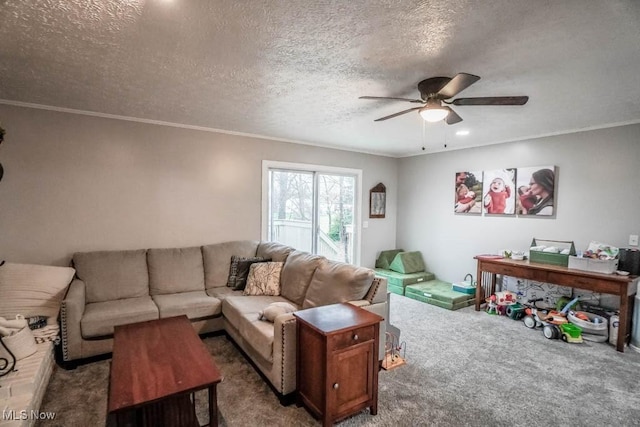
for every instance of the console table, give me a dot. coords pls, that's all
(623, 286)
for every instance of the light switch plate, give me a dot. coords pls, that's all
(633, 240)
(365, 224)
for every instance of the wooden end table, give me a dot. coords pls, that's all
(337, 363)
(155, 369)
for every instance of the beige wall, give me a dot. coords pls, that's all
(79, 183)
(597, 198)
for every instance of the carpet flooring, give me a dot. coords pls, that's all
(464, 368)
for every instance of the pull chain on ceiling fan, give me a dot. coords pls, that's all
(434, 93)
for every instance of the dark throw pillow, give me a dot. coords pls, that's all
(242, 271)
(233, 270)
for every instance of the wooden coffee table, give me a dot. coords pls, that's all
(155, 369)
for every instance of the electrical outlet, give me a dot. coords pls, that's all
(633, 240)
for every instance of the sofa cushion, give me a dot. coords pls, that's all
(335, 282)
(196, 305)
(275, 251)
(221, 292)
(235, 307)
(32, 290)
(175, 270)
(243, 313)
(264, 279)
(259, 335)
(112, 275)
(296, 275)
(217, 259)
(99, 318)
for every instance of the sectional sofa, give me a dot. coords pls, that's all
(119, 287)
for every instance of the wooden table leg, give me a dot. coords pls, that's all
(213, 406)
(625, 320)
(479, 288)
(493, 284)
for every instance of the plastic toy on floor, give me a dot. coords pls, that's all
(393, 348)
(571, 333)
(492, 307)
(500, 302)
(505, 298)
(549, 320)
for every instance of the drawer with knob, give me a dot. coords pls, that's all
(349, 338)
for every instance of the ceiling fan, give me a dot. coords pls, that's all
(435, 92)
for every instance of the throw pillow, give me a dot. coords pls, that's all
(233, 270)
(264, 279)
(242, 272)
(275, 309)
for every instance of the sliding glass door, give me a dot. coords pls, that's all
(312, 209)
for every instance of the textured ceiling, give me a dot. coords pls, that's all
(293, 70)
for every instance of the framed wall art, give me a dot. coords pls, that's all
(378, 201)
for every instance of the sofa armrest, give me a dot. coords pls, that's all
(378, 291)
(380, 309)
(360, 303)
(71, 312)
(284, 352)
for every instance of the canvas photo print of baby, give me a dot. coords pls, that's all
(468, 194)
(499, 192)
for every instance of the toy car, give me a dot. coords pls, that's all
(549, 320)
(571, 333)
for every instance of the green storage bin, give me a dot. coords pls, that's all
(408, 262)
(386, 257)
(439, 293)
(551, 258)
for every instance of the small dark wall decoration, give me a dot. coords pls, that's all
(378, 201)
(1, 171)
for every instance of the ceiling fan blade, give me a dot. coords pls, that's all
(453, 117)
(457, 84)
(397, 114)
(492, 100)
(397, 99)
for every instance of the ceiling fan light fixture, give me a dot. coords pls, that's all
(433, 111)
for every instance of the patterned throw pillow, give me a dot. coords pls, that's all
(233, 268)
(264, 279)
